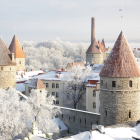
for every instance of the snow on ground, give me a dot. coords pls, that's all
(60, 124)
(119, 133)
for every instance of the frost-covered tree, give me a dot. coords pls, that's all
(75, 81)
(52, 54)
(42, 110)
(14, 114)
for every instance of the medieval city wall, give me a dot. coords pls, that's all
(78, 120)
(121, 103)
(96, 58)
(7, 76)
(20, 63)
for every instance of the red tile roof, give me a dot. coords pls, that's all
(94, 47)
(76, 63)
(36, 84)
(5, 55)
(16, 48)
(103, 44)
(121, 62)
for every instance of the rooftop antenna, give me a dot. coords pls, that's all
(121, 17)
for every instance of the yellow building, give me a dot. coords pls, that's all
(18, 51)
(7, 67)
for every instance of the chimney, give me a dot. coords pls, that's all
(92, 28)
(13, 58)
(23, 48)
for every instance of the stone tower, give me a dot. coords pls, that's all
(18, 51)
(7, 67)
(96, 51)
(120, 85)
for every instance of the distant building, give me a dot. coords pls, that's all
(120, 85)
(18, 51)
(7, 67)
(70, 65)
(96, 53)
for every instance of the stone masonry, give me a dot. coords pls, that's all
(119, 104)
(78, 120)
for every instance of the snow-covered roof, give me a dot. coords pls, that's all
(119, 133)
(20, 87)
(97, 67)
(38, 138)
(51, 75)
(60, 124)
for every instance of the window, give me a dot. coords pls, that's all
(94, 105)
(29, 90)
(62, 115)
(57, 85)
(53, 101)
(94, 93)
(57, 102)
(129, 114)
(74, 118)
(101, 82)
(47, 85)
(69, 118)
(19, 62)
(1, 68)
(97, 122)
(53, 93)
(57, 94)
(53, 85)
(91, 123)
(40, 91)
(130, 83)
(80, 120)
(113, 83)
(10, 68)
(106, 113)
(85, 121)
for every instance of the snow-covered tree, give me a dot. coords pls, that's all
(14, 114)
(42, 110)
(75, 81)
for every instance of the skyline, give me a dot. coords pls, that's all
(40, 20)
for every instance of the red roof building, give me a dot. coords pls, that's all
(121, 62)
(16, 48)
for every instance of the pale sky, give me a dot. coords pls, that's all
(70, 20)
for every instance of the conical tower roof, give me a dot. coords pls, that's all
(103, 44)
(121, 62)
(5, 55)
(94, 47)
(16, 48)
(36, 83)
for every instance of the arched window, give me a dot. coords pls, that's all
(130, 83)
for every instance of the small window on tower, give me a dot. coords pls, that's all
(19, 62)
(113, 83)
(130, 83)
(101, 82)
(1, 68)
(106, 113)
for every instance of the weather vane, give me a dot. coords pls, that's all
(121, 17)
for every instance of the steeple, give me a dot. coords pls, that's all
(16, 48)
(121, 62)
(5, 55)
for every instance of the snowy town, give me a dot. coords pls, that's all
(58, 90)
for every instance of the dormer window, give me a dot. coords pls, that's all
(130, 83)
(113, 83)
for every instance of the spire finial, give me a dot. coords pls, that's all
(121, 17)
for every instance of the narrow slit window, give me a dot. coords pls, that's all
(129, 114)
(101, 82)
(130, 83)
(106, 113)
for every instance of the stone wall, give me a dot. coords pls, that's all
(96, 58)
(7, 76)
(20, 63)
(78, 120)
(121, 103)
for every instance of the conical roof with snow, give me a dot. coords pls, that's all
(121, 62)
(36, 83)
(5, 55)
(94, 47)
(16, 48)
